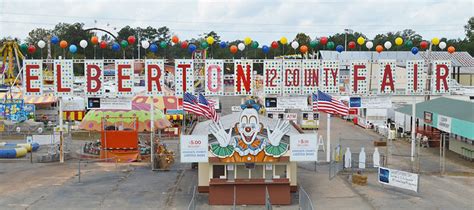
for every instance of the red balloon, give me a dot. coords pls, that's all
(32, 49)
(131, 40)
(379, 48)
(424, 45)
(451, 49)
(274, 44)
(233, 49)
(103, 45)
(303, 49)
(175, 39)
(323, 40)
(352, 45)
(184, 45)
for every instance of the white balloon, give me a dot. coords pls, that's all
(41, 44)
(145, 44)
(442, 45)
(241, 46)
(83, 43)
(295, 45)
(369, 45)
(387, 45)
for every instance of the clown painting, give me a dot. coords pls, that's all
(249, 144)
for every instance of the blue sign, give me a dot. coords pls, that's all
(355, 102)
(384, 175)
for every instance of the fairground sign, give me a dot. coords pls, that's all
(280, 77)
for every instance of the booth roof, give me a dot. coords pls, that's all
(462, 110)
(229, 121)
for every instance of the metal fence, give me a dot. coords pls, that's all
(192, 203)
(305, 202)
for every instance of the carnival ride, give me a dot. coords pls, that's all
(10, 52)
(14, 150)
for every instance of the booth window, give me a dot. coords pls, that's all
(257, 172)
(315, 116)
(305, 116)
(280, 116)
(218, 171)
(242, 172)
(280, 171)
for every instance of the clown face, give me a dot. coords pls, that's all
(249, 125)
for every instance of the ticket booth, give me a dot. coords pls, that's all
(309, 120)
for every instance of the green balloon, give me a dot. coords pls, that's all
(204, 45)
(124, 43)
(254, 45)
(163, 44)
(330, 45)
(23, 47)
(409, 44)
(313, 43)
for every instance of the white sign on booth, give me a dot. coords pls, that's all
(444, 123)
(194, 148)
(303, 147)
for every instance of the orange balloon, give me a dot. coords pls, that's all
(303, 49)
(379, 48)
(451, 49)
(63, 44)
(94, 40)
(175, 39)
(233, 49)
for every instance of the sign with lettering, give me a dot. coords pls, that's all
(243, 77)
(330, 76)
(416, 73)
(184, 76)
(124, 77)
(291, 77)
(272, 76)
(194, 148)
(310, 76)
(444, 123)
(387, 76)
(33, 77)
(400, 179)
(94, 72)
(154, 71)
(303, 147)
(358, 77)
(214, 78)
(63, 77)
(441, 76)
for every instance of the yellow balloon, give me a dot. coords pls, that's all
(360, 40)
(283, 40)
(398, 41)
(247, 40)
(435, 41)
(210, 40)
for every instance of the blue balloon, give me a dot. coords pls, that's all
(265, 49)
(192, 48)
(73, 49)
(154, 48)
(115, 47)
(223, 44)
(414, 50)
(339, 48)
(54, 40)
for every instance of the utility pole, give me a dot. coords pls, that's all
(346, 31)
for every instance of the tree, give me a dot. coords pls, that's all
(38, 34)
(149, 33)
(469, 28)
(125, 32)
(302, 39)
(163, 34)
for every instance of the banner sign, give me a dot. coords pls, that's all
(400, 179)
(355, 102)
(280, 77)
(444, 123)
(310, 76)
(291, 77)
(94, 77)
(287, 102)
(387, 76)
(33, 77)
(109, 103)
(63, 77)
(330, 76)
(243, 77)
(303, 147)
(358, 78)
(183, 76)
(272, 76)
(154, 71)
(440, 77)
(194, 148)
(416, 73)
(214, 77)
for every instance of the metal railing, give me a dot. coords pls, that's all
(305, 202)
(192, 203)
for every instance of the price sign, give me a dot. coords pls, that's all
(194, 148)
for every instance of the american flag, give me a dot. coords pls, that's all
(190, 104)
(207, 108)
(326, 103)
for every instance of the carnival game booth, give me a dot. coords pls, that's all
(248, 154)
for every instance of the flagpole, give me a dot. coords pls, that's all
(328, 137)
(152, 133)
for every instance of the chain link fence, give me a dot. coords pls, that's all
(305, 202)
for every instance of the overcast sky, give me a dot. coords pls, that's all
(262, 20)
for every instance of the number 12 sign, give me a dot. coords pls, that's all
(194, 148)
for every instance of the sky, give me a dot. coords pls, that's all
(261, 20)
